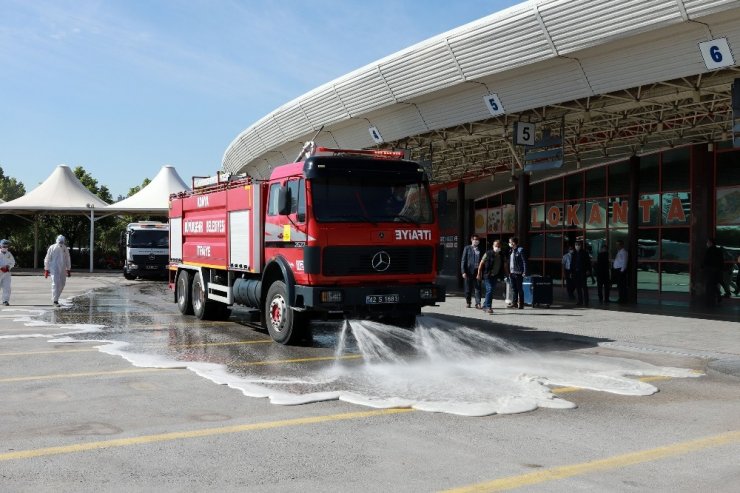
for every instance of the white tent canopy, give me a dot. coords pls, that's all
(155, 197)
(61, 191)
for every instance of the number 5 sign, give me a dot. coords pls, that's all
(716, 53)
(524, 133)
(493, 103)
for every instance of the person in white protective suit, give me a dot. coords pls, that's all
(59, 265)
(7, 262)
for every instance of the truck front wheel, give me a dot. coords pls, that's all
(182, 293)
(284, 324)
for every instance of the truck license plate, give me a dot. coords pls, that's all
(152, 266)
(375, 299)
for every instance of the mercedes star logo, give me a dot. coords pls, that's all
(151, 256)
(381, 261)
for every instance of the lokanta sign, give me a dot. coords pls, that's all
(674, 206)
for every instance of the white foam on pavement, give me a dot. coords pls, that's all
(438, 367)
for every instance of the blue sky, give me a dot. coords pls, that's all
(123, 87)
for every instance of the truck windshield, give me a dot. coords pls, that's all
(343, 199)
(148, 239)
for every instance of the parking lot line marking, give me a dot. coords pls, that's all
(615, 462)
(295, 360)
(564, 390)
(260, 341)
(179, 435)
(85, 374)
(58, 351)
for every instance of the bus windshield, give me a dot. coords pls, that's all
(348, 199)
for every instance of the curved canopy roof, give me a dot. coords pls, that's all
(621, 77)
(60, 192)
(155, 197)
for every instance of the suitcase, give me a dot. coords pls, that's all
(537, 290)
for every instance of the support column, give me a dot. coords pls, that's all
(633, 225)
(702, 216)
(461, 222)
(522, 209)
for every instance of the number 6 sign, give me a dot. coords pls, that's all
(716, 53)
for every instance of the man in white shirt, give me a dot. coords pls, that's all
(619, 271)
(568, 274)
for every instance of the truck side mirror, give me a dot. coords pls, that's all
(284, 201)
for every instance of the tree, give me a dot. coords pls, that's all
(10, 188)
(137, 188)
(14, 228)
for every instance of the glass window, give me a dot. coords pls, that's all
(508, 218)
(537, 245)
(554, 189)
(728, 168)
(618, 209)
(594, 240)
(596, 214)
(728, 205)
(675, 277)
(676, 169)
(535, 268)
(596, 182)
(674, 244)
(676, 208)
(494, 220)
(537, 217)
(272, 205)
(648, 212)
(573, 215)
(297, 197)
(649, 173)
(537, 193)
(554, 246)
(614, 235)
(647, 280)
(574, 186)
(619, 178)
(648, 249)
(554, 216)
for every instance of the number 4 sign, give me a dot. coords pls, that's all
(716, 53)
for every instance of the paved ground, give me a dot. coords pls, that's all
(75, 419)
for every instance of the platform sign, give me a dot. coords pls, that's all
(716, 54)
(493, 103)
(524, 133)
(375, 134)
(546, 153)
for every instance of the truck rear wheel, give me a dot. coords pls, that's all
(182, 293)
(203, 308)
(283, 323)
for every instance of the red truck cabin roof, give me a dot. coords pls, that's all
(360, 167)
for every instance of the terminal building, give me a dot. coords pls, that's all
(555, 121)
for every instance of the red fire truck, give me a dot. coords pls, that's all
(338, 231)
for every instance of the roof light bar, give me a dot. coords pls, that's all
(367, 152)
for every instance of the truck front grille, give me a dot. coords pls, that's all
(358, 260)
(144, 259)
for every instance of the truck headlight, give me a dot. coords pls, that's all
(331, 296)
(428, 293)
(133, 266)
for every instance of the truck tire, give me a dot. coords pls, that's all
(182, 293)
(284, 324)
(128, 276)
(203, 308)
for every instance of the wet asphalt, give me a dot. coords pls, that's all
(78, 419)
